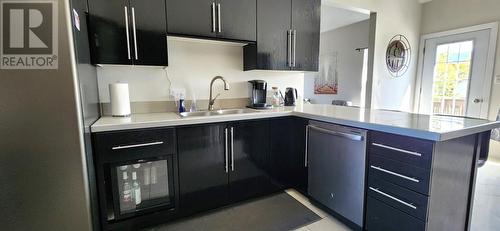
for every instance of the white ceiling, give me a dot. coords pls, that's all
(335, 17)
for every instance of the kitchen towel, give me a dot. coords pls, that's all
(120, 101)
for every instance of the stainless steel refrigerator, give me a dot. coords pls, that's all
(46, 170)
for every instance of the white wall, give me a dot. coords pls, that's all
(441, 15)
(192, 64)
(393, 17)
(344, 41)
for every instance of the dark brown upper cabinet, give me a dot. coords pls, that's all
(288, 33)
(128, 32)
(213, 19)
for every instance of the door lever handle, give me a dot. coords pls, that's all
(478, 100)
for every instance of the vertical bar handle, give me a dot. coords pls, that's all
(135, 33)
(289, 48)
(294, 50)
(213, 16)
(232, 149)
(307, 141)
(127, 31)
(219, 20)
(226, 155)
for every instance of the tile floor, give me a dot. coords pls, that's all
(486, 210)
(327, 222)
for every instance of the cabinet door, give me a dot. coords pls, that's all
(250, 155)
(108, 22)
(202, 177)
(306, 25)
(273, 22)
(287, 156)
(238, 19)
(150, 39)
(191, 17)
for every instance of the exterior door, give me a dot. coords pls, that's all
(455, 80)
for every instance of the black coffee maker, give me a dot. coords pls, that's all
(258, 93)
(290, 96)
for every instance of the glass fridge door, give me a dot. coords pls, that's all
(143, 185)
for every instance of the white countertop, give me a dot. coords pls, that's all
(437, 128)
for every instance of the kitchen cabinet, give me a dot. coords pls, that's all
(250, 160)
(306, 33)
(287, 148)
(222, 163)
(217, 19)
(202, 162)
(287, 36)
(128, 32)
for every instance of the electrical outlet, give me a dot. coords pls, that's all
(177, 92)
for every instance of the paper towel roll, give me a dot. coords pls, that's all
(120, 101)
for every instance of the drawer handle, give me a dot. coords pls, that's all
(397, 149)
(395, 174)
(137, 145)
(394, 198)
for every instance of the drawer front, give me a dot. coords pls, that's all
(412, 151)
(382, 217)
(403, 199)
(404, 175)
(135, 144)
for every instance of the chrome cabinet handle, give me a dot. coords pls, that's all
(289, 48)
(136, 145)
(226, 155)
(397, 149)
(135, 33)
(393, 198)
(213, 16)
(307, 141)
(294, 39)
(395, 174)
(219, 24)
(232, 149)
(127, 31)
(336, 133)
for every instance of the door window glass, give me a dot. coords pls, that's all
(451, 77)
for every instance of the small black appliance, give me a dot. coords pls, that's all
(258, 93)
(290, 96)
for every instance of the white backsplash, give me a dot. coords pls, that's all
(192, 64)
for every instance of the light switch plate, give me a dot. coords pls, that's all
(497, 79)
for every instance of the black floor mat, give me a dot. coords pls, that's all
(275, 213)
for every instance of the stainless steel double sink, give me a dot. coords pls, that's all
(217, 112)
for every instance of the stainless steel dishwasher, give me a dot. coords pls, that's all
(336, 157)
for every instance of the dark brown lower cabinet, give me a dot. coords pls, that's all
(287, 145)
(222, 163)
